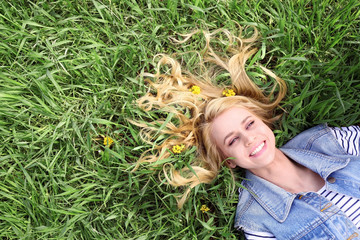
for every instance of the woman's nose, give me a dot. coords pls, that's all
(249, 139)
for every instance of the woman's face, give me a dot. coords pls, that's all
(241, 135)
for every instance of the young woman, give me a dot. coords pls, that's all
(308, 189)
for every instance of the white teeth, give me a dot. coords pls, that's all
(257, 149)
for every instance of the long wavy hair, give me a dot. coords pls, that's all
(170, 91)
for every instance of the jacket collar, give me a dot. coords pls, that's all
(275, 200)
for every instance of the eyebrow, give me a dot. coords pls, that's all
(232, 132)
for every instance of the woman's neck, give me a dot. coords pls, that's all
(290, 175)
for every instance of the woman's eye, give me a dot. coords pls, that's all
(250, 123)
(233, 140)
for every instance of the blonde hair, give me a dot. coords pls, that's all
(194, 113)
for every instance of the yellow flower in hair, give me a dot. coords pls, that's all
(195, 89)
(178, 148)
(228, 93)
(204, 208)
(108, 141)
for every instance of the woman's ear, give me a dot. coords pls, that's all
(230, 163)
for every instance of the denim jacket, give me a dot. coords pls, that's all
(265, 207)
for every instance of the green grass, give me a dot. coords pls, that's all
(69, 73)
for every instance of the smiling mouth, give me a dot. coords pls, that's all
(258, 149)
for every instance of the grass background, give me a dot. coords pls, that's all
(69, 75)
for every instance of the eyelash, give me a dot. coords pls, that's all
(247, 127)
(250, 124)
(233, 140)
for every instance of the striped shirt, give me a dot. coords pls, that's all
(349, 139)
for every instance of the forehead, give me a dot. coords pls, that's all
(227, 120)
(231, 114)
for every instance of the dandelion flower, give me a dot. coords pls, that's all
(204, 208)
(228, 93)
(195, 89)
(108, 141)
(178, 148)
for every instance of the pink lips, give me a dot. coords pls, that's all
(258, 149)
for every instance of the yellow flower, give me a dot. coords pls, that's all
(195, 89)
(228, 92)
(108, 141)
(178, 148)
(204, 208)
